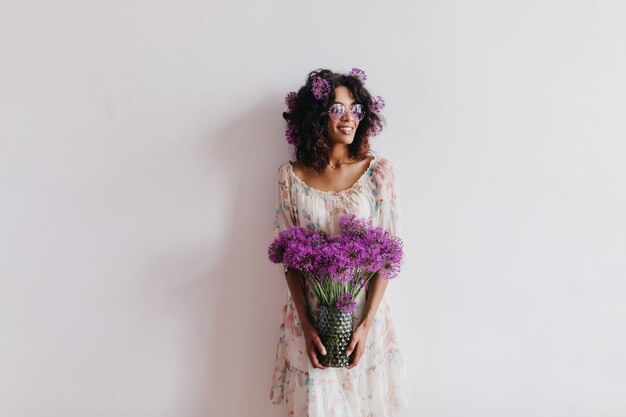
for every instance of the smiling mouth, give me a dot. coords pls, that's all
(346, 129)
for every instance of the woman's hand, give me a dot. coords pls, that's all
(313, 345)
(357, 343)
(295, 281)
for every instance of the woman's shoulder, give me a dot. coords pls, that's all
(382, 165)
(382, 172)
(284, 169)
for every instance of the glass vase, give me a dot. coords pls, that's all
(335, 330)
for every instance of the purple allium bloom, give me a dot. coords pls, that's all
(277, 248)
(341, 271)
(389, 270)
(316, 237)
(329, 252)
(298, 248)
(294, 233)
(290, 99)
(320, 88)
(373, 261)
(350, 225)
(358, 73)
(334, 261)
(376, 236)
(276, 252)
(375, 129)
(370, 248)
(356, 252)
(346, 303)
(391, 254)
(300, 257)
(291, 135)
(349, 258)
(377, 104)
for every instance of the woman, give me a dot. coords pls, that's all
(329, 121)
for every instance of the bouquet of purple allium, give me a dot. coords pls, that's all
(339, 266)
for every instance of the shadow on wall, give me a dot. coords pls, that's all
(245, 294)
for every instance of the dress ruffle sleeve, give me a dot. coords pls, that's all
(284, 215)
(386, 211)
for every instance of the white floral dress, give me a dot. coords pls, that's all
(377, 386)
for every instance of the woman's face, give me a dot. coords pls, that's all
(344, 129)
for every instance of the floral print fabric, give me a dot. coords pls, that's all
(377, 386)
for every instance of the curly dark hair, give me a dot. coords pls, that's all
(307, 120)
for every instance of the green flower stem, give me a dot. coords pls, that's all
(328, 290)
(364, 284)
(317, 287)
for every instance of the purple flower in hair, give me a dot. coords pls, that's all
(291, 135)
(358, 73)
(290, 99)
(345, 303)
(377, 104)
(320, 88)
(375, 129)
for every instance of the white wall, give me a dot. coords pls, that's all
(139, 143)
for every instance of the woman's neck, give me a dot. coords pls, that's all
(338, 155)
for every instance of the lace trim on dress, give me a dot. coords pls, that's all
(349, 190)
